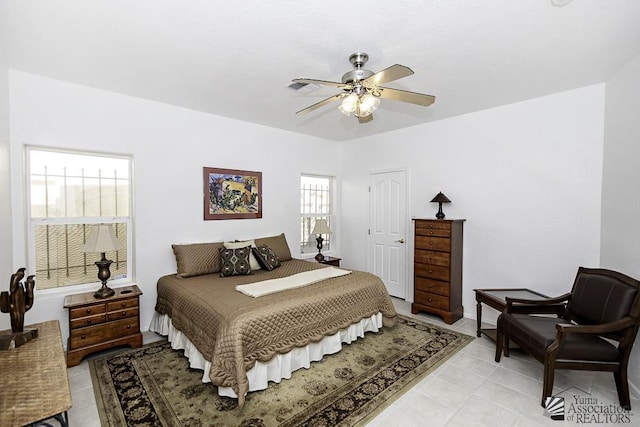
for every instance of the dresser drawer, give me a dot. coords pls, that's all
(431, 271)
(433, 286)
(122, 314)
(432, 300)
(432, 257)
(435, 232)
(119, 305)
(87, 321)
(433, 243)
(100, 333)
(87, 310)
(433, 225)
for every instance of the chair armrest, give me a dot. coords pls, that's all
(532, 304)
(599, 329)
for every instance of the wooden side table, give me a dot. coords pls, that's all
(99, 324)
(35, 385)
(495, 298)
(329, 260)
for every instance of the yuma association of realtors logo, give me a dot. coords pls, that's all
(586, 410)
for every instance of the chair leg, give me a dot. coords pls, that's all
(499, 340)
(623, 387)
(547, 386)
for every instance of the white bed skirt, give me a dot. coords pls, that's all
(281, 366)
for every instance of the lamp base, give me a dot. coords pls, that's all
(104, 292)
(319, 256)
(440, 214)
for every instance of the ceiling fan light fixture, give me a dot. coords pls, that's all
(369, 103)
(349, 104)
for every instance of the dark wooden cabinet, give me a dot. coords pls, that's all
(437, 286)
(329, 260)
(99, 324)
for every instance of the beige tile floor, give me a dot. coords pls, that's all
(470, 389)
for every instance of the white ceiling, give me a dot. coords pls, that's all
(235, 58)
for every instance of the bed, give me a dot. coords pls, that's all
(242, 342)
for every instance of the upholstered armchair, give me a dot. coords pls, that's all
(594, 330)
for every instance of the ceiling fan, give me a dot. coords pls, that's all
(361, 90)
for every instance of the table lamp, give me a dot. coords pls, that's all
(102, 239)
(321, 227)
(440, 198)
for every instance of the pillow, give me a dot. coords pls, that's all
(278, 244)
(235, 262)
(197, 258)
(255, 265)
(266, 257)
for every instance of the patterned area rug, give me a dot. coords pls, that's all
(154, 386)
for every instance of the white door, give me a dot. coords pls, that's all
(387, 230)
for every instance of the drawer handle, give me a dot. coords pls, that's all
(124, 313)
(430, 300)
(88, 310)
(430, 271)
(83, 336)
(128, 326)
(124, 304)
(89, 321)
(429, 286)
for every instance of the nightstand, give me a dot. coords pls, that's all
(99, 324)
(329, 260)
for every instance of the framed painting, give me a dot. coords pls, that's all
(232, 194)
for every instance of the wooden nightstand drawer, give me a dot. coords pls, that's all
(89, 310)
(119, 305)
(122, 314)
(105, 332)
(87, 321)
(433, 243)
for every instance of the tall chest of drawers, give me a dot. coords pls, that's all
(99, 324)
(438, 268)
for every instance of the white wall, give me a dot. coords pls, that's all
(620, 248)
(170, 146)
(6, 259)
(525, 176)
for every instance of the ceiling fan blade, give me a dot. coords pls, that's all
(365, 119)
(322, 83)
(387, 75)
(320, 104)
(406, 96)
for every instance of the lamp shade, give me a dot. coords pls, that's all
(321, 227)
(102, 238)
(441, 198)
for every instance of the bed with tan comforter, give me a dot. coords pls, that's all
(233, 330)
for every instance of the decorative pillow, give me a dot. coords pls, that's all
(266, 257)
(278, 244)
(235, 262)
(255, 265)
(197, 258)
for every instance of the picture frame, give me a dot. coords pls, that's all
(232, 194)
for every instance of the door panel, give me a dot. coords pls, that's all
(387, 230)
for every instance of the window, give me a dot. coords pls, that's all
(69, 192)
(316, 194)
